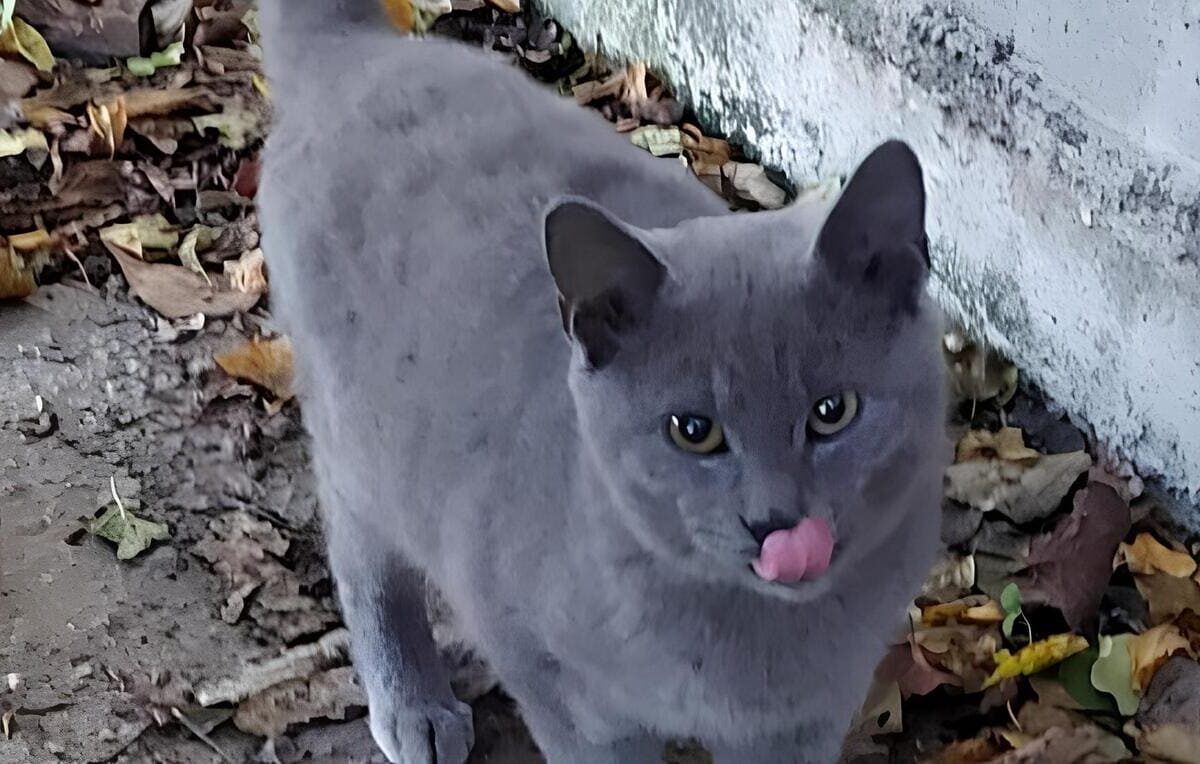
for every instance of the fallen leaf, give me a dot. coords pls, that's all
(1151, 649)
(107, 123)
(1113, 672)
(707, 155)
(907, 665)
(16, 277)
(1007, 443)
(176, 292)
(142, 233)
(508, 6)
(324, 695)
(965, 651)
(1070, 566)
(6, 722)
(161, 102)
(187, 254)
(952, 576)
(236, 125)
(20, 39)
(266, 363)
(415, 15)
(131, 534)
(246, 274)
(144, 66)
(17, 78)
(659, 141)
(25, 141)
(976, 372)
(1078, 745)
(1147, 555)
(1075, 676)
(1022, 493)
(1035, 657)
(750, 182)
(977, 609)
(882, 712)
(977, 750)
(1168, 596)
(1167, 727)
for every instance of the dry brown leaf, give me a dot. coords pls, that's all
(1167, 727)
(508, 6)
(1168, 596)
(106, 121)
(1078, 745)
(266, 363)
(974, 751)
(952, 576)
(708, 155)
(160, 102)
(17, 78)
(16, 277)
(751, 184)
(1008, 444)
(963, 650)
(324, 695)
(1023, 493)
(1147, 555)
(1151, 649)
(176, 292)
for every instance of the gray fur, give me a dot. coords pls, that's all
(460, 434)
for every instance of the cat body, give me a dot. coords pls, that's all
(498, 306)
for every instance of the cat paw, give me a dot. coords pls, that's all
(423, 733)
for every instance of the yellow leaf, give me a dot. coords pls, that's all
(1151, 649)
(266, 363)
(14, 142)
(20, 39)
(146, 231)
(1146, 555)
(415, 15)
(16, 279)
(974, 610)
(508, 6)
(1035, 657)
(107, 122)
(1007, 444)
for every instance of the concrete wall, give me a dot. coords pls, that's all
(1061, 143)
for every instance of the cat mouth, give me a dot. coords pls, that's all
(790, 555)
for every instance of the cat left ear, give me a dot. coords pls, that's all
(875, 236)
(606, 277)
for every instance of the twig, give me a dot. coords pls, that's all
(192, 728)
(1011, 715)
(297, 662)
(112, 484)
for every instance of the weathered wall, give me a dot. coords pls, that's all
(1062, 153)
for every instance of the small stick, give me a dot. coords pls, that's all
(192, 728)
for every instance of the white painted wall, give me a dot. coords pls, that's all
(1064, 177)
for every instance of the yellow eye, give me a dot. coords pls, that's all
(832, 413)
(696, 434)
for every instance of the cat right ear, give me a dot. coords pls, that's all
(874, 239)
(606, 277)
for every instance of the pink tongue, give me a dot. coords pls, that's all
(796, 553)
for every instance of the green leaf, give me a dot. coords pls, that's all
(1010, 599)
(131, 534)
(1075, 675)
(1113, 672)
(142, 67)
(1007, 625)
(20, 39)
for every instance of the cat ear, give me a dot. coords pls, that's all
(875, 236)
(606, 277)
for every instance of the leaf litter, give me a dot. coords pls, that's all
(1061, 624)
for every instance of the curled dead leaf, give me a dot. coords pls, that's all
(16, 277)
(1151, 649)
(247, 274)
(1146, 555)
(176, 292)
(977, 609)
(266, 363)
(1023, 493)
(1007, 444)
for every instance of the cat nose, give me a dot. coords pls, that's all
(776, 520)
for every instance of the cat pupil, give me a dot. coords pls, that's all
(696, 428)
(831, 408)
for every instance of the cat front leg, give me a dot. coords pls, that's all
(414, 716)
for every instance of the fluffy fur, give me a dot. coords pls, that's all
(479, 423)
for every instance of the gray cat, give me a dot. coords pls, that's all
(676, 470)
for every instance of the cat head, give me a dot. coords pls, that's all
(735, 375)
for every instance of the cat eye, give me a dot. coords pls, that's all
(696, 434)
(832, 413)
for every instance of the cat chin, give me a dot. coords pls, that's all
(798, 592)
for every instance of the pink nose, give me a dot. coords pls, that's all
(801, 552)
